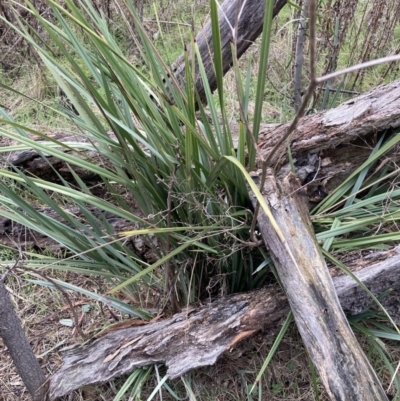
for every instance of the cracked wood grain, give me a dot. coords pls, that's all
(341, 363)
(198, 336)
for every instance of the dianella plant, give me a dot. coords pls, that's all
(167, 165)
(163, 163)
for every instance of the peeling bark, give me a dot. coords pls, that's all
(198, 336)
(341, 363)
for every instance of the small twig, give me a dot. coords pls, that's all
(158, 381)
(11, 49)
(153, 21)
(357, 67)
(347, 92)
(76, 328)
(9, 270)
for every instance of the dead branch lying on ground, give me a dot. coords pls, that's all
(17, 235)
(198, 336)
(326, 146)
(303, 273)
(18, 346)
(329, 145)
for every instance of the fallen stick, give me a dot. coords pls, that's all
(198, 336)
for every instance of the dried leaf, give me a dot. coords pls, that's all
(112, 356)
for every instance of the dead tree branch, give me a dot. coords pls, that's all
(198, 336)
(341, 363)
(249, 28)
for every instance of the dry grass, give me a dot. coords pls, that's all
(41, 309)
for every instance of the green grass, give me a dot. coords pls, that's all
(184, 179)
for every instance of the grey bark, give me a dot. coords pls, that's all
(19, 348)
(250, 26)
(168, 342)
(198, 336)
(341, 363)
(326, 146)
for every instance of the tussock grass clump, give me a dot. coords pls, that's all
(169, 167)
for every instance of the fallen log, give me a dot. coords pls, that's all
(341, 363)
(198, 336)
(326, 146)
(175, 347)
(15, 235)
(329, 145)
(249, 28)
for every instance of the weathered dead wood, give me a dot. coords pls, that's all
(326, 146)
(341, 363)
(17, 344)
(249, 27)
(372, 112)
(197, 337)
(379, 271)
(329, 145)
(14, 234)
(48, 167)
(190, 339)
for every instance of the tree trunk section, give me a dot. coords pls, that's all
(196, 337)
(342, 365)
(329, 145)
(250, 26)
(18, 346)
